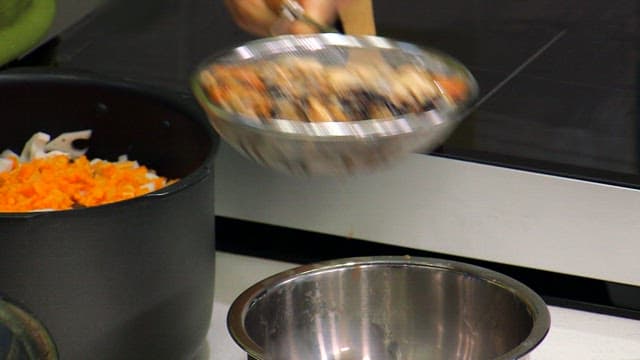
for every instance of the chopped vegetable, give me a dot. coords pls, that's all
(453, 87)
(54, 180)
(304, 89)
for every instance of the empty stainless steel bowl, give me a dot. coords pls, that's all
(335, 148)
(383, 308)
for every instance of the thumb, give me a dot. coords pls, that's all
(322, 11)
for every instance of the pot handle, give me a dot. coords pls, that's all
(22, 336)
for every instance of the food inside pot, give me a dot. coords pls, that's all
(304, 89)
(54, 175)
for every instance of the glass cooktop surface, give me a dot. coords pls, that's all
(558, 81)
(558, 78)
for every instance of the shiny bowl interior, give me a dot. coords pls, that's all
(396, 308)
(336, 148)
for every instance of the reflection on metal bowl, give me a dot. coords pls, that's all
(336, 148)
(384, 308)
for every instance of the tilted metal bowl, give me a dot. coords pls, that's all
(335, 148)
(383, 308)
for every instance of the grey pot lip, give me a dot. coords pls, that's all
(535, 304)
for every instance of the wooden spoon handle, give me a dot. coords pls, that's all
(357, 17)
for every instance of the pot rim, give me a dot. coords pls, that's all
(154, 93)
(534, 303)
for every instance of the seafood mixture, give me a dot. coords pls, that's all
(54, 175)
(304, 89)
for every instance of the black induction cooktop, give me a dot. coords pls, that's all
(558, 78)
(559, 84)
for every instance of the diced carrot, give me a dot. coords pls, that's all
(59, 183)
(455, 87)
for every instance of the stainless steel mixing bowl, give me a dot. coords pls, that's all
(384, 308)
(336, 148)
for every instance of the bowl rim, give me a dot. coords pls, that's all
(402, 124)
(248, 298)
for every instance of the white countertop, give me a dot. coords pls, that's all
(573, 335)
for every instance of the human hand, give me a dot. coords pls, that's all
(263, 17)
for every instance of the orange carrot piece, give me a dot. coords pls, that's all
(59, 183)
(455, 87)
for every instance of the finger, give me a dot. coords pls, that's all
(286, 26)
(321, 11)
(253, 16)
(274, 5)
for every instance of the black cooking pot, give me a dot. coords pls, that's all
(129, 280)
